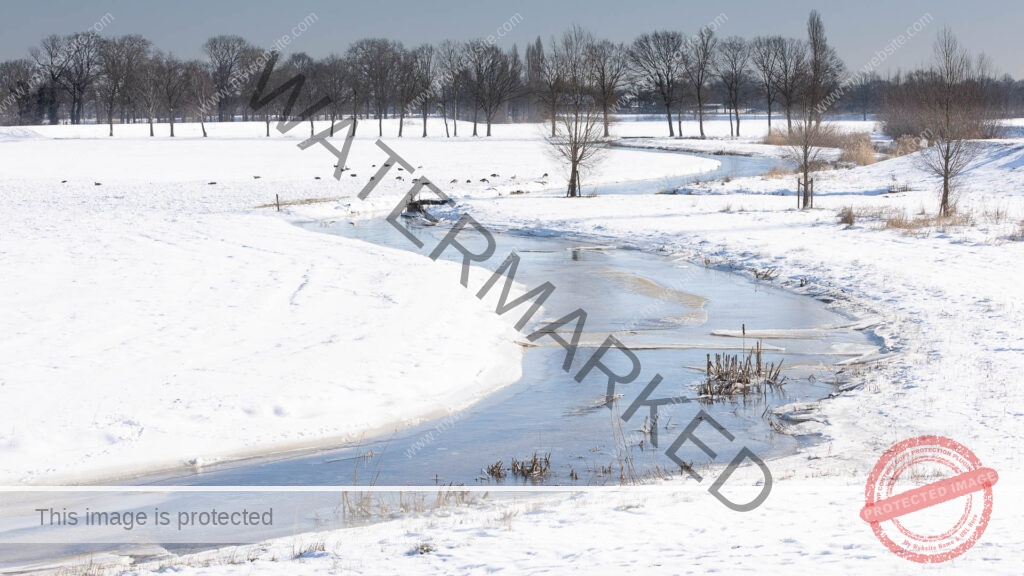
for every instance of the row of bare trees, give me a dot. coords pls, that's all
(124, 79)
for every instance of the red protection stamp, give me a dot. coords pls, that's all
(935, 522)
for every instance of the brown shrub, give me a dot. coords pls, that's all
(857, 148)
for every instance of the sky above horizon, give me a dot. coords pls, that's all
(858, 30)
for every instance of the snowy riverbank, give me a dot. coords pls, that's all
(949, 295)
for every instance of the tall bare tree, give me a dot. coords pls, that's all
(200, 90)
(425, 66)
(334, 79)
(954, 110)
(499, 76)
(225, 55)
(452, 72)
(609, 66)
(302, 63)
(173, 78)
(407, 85)
(71, 63)
(792, 76)
(698, 65)
(120, 60)
(579, 114)
(376, 61)
(655, 58)
(730, 64)
(148, 88)
(764, 56)
(824, 67)
(17, 93)
(545, 78)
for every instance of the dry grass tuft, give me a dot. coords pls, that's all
(777, 137)
(923, 223)
(1019, 234)
(857, 148)
(779, 172)
(846, 216)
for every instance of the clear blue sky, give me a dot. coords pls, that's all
(858, 29)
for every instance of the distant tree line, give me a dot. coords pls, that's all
(114, 80)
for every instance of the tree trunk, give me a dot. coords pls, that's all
(476, 113)
(401, 122)
(311, 133)
(424, 121)
(151, 126)
(736, 109)
(679, 119)
(789, 118)
(455, 119)
(606, 121)
(700, 112)
(202, 124)
(110, 120)
(488, 125)
(668, 113)
(171, 119)
(769, 116)
(807, 187)
(573, 189)
(444, 116)
(944, 203)
(332, 124)
(380, 124)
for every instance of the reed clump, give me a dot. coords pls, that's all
(730, 375)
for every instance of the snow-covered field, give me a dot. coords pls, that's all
(157, 310)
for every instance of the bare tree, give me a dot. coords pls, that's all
(764, 55)
(407, 85)
(425, 71)
(174, 86)
(119, 63)
(698, 63)
(148, 88)
(824, 67)
(807, 140)
(302, 63)
(452, 71)
(376, 60)
(655, 58)
(251, 61)
(579, 114)
(730, 65)
(71, 63)
(334, 79)
(275, 109)
(545, 78)
(200, 89)
(52, 59)
(498, 78)
(225, 54)
(955, 114)
(17, 94)
(609, 66)
(792, 77)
